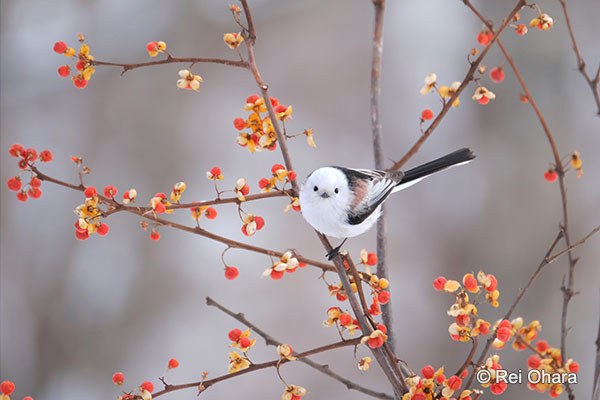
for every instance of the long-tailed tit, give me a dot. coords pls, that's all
(345, 202)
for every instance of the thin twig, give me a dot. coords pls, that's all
(470, 356)
(596, 387)
(254, 367)
(593, 83)
(172, 60)
(270, 340)
(568, 249)
(468, 77)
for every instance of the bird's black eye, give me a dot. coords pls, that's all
(316, 189)
(336, 190)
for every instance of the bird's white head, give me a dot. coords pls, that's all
(325, 185)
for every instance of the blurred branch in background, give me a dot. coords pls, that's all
(580, 63)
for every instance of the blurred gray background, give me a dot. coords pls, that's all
(72, 312)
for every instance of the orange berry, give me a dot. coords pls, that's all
(276, 275)
(35, 182)
(16, 150)
(173, 363)
(427, 372)
(383, 297)
(252, 99)
(574, 367)
(118, 378)
(239, 123)
(60, 47)
(7, 387)
(345, 319)
(234, 334)
(371, 259)
(22, 195)
(498, 388)
(64, 70)
(260, 222)
(102, 229)
(34, 193)
(210, 213)
(89, 192)
(426, 115)
(231, 273)
(439, 283)
(245, 342)
(154, 235)
(484, 100)
(533, 361)
(14, 183)
(497, 74)
(550, 175)
(147, 386)
(46, 156)
(503, 334)
(454, 382)
(110, 191)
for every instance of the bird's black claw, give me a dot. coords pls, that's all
(334, 252)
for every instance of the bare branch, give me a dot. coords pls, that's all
(173, 60)
(270, 340)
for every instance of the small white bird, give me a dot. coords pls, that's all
(345, 202)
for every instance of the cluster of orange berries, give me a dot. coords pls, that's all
(550, 175)
(89, 214)
(547, 360)
(433, 384)
(27, 157)
(286, 263)
(83, 62)
(242, 341)
(342, 320)
(262, 133)
(7, 388)
(466, 323)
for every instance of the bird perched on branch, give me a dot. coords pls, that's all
(346, 202)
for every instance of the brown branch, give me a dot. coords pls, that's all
(567, 289)
(376, 128)
(553, 258)
(468, 77)
(593, 83)
(379, 353)
(254, 367)
(469, 358)
(533, 277)
(172, 60)
(195, 230)
(596, 387)
(270, 340)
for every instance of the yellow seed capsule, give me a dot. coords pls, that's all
(354, 288)
(383, 283)
(576, 161)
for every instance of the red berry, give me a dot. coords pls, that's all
(383, 297)
(80, 64)
(505, 324)
(14, 183)
(16, 150)
(427, 114)
(64, 70)
(533, 361)
(118, 378)
(22, 195)
(147, 386)
(89, 192)
(216, 171)
(493, 285)
(470, 283)
(31, 155)
(484, 100)
(498, 388)
(503, 334)
(46, 156)
(252, 99)
(239, 123)
(27, 398)
(382, 328)
(151, 46)
(463, 375)
(79, 82)
(439, 283)
(345, 319)
(82, 234)
(60, 47)
(419, 396)
(231, 273)
(274, 102)
(497, 74)
(35, 193)
(102, 229)
(291, 175)
(574, 367)
(550, 175)
(234, 334)
(110, 191)
(35, 182)
(210, 213)
(245, 189)
(375, 342)
(173, 363)
(154, 235)
(159, 208)
(263, 183)
(245, 342)
(260, 222)
(454, 382)
(427, 372)
(276, 168)
(7, 387)
(483, 38)
(276, 275)
(280, 108)
(371, 259)
(244, 231)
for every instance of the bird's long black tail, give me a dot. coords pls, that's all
(458, 157)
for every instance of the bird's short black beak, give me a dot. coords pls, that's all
(325, 195)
